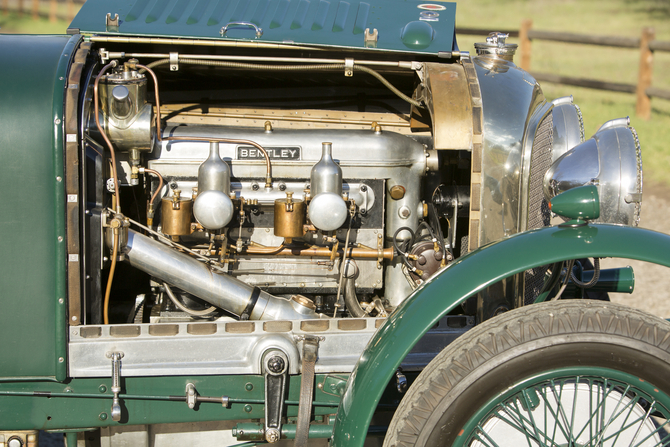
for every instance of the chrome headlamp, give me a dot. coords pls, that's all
(611, 160)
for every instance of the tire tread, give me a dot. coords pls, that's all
(493, 338)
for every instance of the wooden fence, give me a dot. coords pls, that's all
(53, 9)
(646, 43)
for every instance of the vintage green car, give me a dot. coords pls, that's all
(171, 273)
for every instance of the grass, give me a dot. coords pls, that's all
(605, 17)
(12, 23)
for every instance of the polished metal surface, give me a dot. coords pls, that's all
(125, 114)
(450, 106)
(326, 175)
(289, 217)
(176, 216)
(121, 102)
(327, 211)
(496, 46)
(216, 347)
(214, 173)
(238, 347)
(223, 291)
(568, 126)
(513, 107)
(611, 160)
(304, 274)
(361, 154)
(213, 209)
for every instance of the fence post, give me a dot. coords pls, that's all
(20, 8)
(36, 9)
(645, 76)
(5, 6)
(53, 9)
(70, 10)
(526, 25)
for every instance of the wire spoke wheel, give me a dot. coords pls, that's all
(561, 374)
(568, 408)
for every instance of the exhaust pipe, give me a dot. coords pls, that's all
(226, 292)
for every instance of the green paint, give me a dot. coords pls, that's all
(579, 204)
(602, 382)
(328, 24)
(32, 265)
(250, 431)
(144, 400)
(464, 278)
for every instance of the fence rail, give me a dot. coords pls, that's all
(646, 43)
(43, 8)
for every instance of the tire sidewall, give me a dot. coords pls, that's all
(491, 358)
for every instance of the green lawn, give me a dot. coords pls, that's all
(605, 17)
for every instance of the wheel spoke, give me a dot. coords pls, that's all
(481, 430)
(663, 441)
(646, 418)
(529, 410)
(554, 414)
(516, 419)
(614, 414)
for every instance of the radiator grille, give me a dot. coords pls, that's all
(538, 207)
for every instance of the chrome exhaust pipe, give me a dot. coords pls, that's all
(194, 277)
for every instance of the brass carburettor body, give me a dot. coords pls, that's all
(289, 217)
(177, 212)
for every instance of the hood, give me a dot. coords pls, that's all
(402, 25)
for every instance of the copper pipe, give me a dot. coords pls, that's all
(159, 132)
(104, 135)
(258, 248)
(319, 252)
(115, 243)
(160, 183)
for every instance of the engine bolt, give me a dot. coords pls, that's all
(276, 364)
(173, 185)
(364, 188)
(255, 187)
(272, 435)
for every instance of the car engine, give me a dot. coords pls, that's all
(219, 186)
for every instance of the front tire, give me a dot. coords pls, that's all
(570, 373)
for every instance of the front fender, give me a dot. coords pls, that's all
(464, 278)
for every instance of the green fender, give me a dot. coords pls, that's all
(462, 279)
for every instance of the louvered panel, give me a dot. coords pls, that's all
(335, 23)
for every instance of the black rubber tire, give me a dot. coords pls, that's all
(536, 339)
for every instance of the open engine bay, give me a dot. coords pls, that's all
(221, 191)
(226, 187)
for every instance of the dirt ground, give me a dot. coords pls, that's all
(652, 282)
